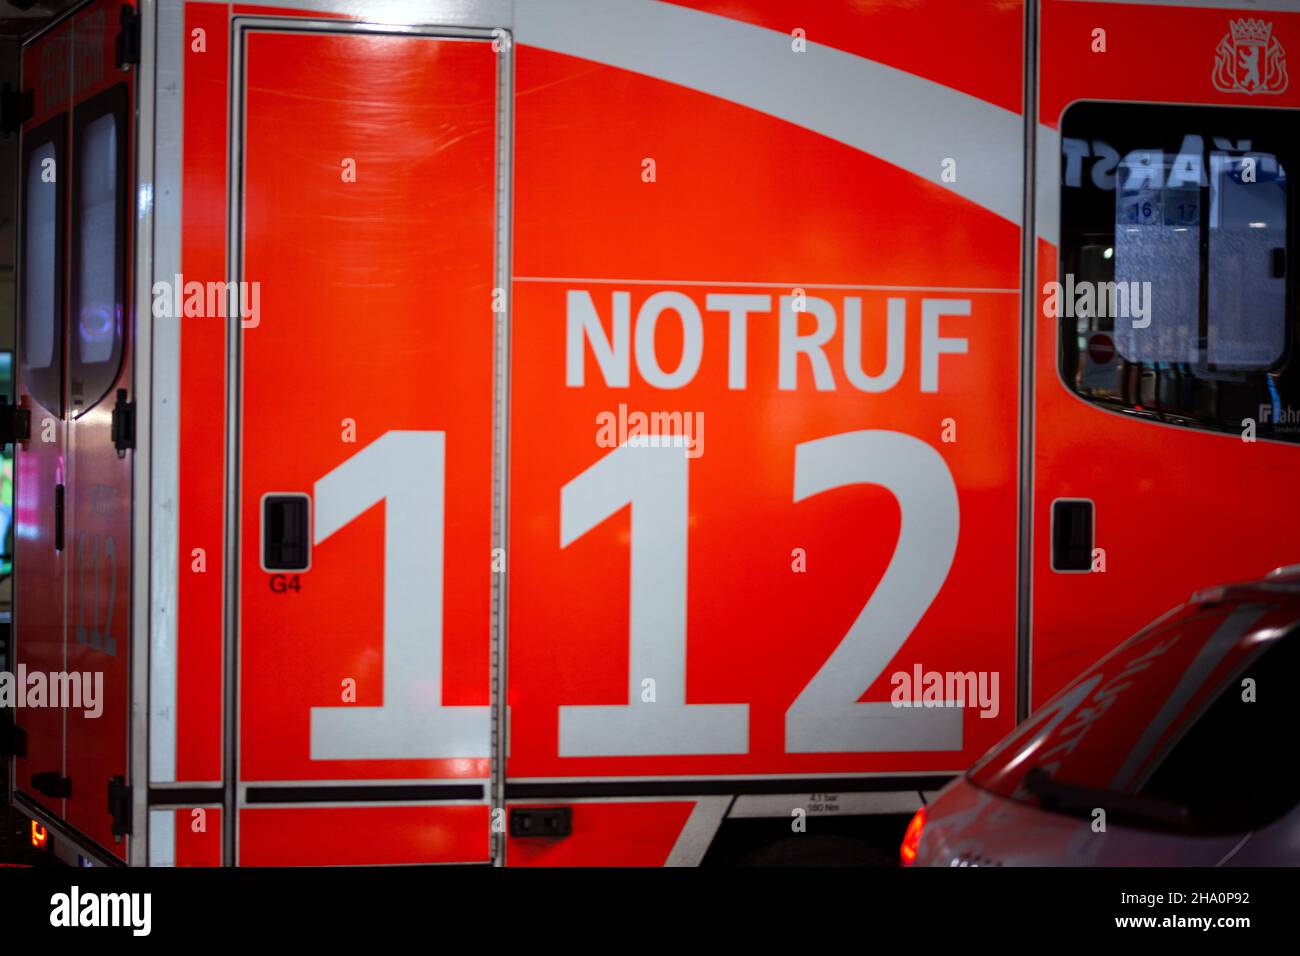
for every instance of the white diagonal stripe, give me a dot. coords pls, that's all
(904, 119)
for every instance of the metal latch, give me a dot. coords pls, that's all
(119, 805)
(128, 38)
(52, 784)
(59, 495)
(123, 426)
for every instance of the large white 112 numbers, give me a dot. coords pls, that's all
(650, 475)
(407, 471)
(826, 717)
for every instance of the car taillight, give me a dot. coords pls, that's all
(912, 839)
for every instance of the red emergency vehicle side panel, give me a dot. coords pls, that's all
(367, 386)
(1166, 498)
(362, 836)
(693, 633)
(196, 835)
(201, 458)
(931, 38)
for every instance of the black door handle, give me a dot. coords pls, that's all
(58, 517)
(1072, 533)
(286, 528)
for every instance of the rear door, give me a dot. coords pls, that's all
(73, 540)
(364, 249)
(98, 543)
(40, 556)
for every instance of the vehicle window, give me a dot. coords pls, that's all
(1175, 299)
(1179, 727)
(1247, 261)
(1226, 767)
(1157, 241)
(98, 240)
(41, 327)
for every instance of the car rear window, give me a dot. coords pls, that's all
(1186, 726)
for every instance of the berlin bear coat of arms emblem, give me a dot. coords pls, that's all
(1250, 59)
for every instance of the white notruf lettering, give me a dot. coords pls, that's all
(932, 345)
(612, 353)
(792, 344)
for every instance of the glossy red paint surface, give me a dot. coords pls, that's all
(200, 611)
(1176, 508)
(361, 836)
(743, 203)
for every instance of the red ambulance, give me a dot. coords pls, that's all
(623, 432)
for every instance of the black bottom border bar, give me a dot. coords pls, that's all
(718, 787)
(370, 793)
(941, 907)
(591, 789)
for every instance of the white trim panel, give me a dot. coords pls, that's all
(164, 550)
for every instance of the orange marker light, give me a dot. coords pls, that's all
(39, 835)
(912, 839)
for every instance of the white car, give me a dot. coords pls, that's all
(1177, 748)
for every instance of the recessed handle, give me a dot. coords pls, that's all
(286, 532)
(1072, 533)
